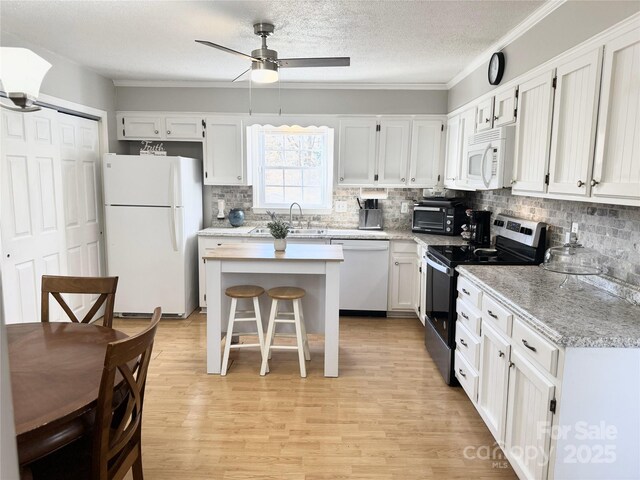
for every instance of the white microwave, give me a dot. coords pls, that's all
(490, 158)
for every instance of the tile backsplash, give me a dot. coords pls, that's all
(612, 230)
(242, 197)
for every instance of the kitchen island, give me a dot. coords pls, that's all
(312, 267)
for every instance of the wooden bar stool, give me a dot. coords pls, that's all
(296, 318)
(243, 292)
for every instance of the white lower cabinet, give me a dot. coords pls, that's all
(205, 242)
(402, 276)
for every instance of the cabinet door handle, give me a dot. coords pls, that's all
(402, 180)
(413, 179)
(465, 291)
(239, 177)
(491, 314)
(526, 344)
(155, 131)
(462, 373)
(496, 117)
(464, 315)
(463, 343)
(511, 364)
(397, 263)
(168, 132)
(594, 183)
(513, 181)
(500, 353)
(580, 183)
(487, 120)
(342, 179)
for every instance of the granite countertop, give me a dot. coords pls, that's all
(346, 234)
(590, 317)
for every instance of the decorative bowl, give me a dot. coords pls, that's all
(236, 217)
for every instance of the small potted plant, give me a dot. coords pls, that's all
(279, 230)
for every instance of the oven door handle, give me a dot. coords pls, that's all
(432, 262)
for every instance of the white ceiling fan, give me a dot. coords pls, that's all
(265, 62)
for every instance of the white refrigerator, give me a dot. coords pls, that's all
(153, 211)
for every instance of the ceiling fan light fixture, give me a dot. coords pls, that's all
(264, 72)
(22, 72)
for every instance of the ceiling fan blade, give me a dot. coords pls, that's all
(314, 62)
(241, 75)
(229, 50)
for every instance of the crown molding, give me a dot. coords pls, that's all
(537, 16)
(283, 85)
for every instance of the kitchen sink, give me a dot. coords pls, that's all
(293, 231)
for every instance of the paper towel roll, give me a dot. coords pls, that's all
(220, 208)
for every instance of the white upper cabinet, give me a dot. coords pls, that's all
(393, 153)
(616, 172)
(140, 128)
(224, 160)
(184, 128)
(454, 152)
(504, 110)
(425, 166)
(358, 142)
(574, 124)
(484, 114)
(533, 131)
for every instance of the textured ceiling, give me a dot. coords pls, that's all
(388, 41)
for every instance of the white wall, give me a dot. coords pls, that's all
(293, 101)
(567, 26)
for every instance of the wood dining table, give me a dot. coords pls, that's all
(55, 369)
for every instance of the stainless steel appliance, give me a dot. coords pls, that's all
(480, 227)
(519, 242)
(441, 216)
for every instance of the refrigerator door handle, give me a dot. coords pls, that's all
(172, 196)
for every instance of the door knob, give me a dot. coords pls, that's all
(580, 183)
(594, 183)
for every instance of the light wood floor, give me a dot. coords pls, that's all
(388, 416)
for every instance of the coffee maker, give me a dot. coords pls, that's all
(480, 228)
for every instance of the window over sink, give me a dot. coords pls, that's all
(293, 164)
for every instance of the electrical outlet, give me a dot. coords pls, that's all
(404, 207)
(574, 227)
(341, 207)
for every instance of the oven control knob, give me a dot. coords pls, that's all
(448, 229)
(448, 222)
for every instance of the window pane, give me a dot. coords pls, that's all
(292, 158)
(312, 195)
(311, 142)
(274, 195)
(274, 176)
(273, 141)
(273, 158)
(311, 159)
(292, 142)
(293, 194)
(293, 178)
(313, 177)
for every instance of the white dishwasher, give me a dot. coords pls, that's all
(364, 275)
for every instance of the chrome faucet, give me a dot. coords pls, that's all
(291, 213)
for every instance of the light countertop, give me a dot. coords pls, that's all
(264, 251)
(344, 234)
(588, 318)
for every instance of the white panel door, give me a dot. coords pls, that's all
(504, 110)
(32, 227)
(357, 159)
(184, 128)
(401, 282)
(425, 166)
(574, 124)
(224, 162)
(527, 437)
(393, 152)
(616, 172)
(143, 128)
(533, 134)
(454, 152)
(82, 187)
(484, 115)
(494, 372)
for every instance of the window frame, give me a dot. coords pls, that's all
(255, 149)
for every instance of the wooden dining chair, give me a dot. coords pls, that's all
(57, 285)
(114, 445)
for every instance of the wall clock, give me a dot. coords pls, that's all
(496, 68)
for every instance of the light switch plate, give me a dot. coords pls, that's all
(341, 206)
(574, 227)
(404, 207)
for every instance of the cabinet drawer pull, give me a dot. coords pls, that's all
(464, 315)
(462, 373)
(500, 353)
(465, 291)
(491, 314)
(526, 344)
(463, 343)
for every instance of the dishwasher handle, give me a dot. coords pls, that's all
(378, 248)
(436, 265)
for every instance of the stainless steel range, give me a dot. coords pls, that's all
(518, 242)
